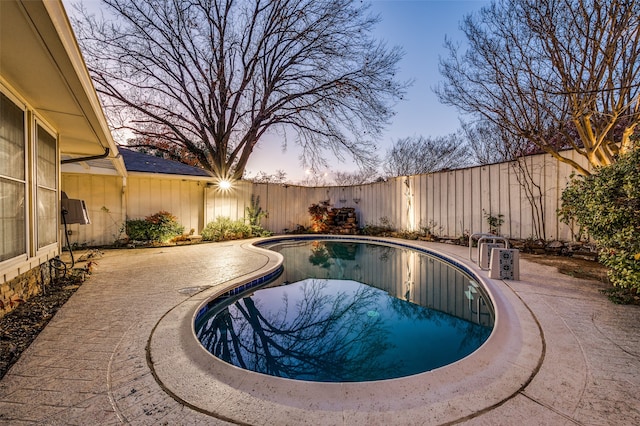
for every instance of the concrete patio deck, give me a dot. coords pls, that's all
(90, 364)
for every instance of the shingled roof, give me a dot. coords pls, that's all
(135, 161)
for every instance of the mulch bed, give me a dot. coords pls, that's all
(572, 266)
(22, 325)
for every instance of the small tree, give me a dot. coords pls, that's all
(418, 155)
(254, 211)
(494, 222)
(607, 206)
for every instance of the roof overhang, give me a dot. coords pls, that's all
(41, 60)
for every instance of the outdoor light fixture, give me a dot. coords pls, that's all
(224, 185)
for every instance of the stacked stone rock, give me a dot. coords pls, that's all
(343, 221)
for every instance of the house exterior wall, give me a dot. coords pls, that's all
(29, 182)
(146, 195)
(111, 200)
(49, 109)
(23, 286)
(103, 196)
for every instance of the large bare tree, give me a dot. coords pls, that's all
(214, 76)
(558, 73)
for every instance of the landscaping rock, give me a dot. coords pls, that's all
(556, 247)
(342, 221)
(586, 255)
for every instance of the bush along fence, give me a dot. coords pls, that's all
(606, 205)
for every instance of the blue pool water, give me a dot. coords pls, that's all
(345, 311)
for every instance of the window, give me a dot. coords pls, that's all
(28, 182)
(13, 184)
(47, 187)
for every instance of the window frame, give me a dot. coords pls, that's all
(32, 122)
(25, 181)
(39, 123)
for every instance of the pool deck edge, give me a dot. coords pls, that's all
(487, 378)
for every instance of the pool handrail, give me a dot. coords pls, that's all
(480, 236)
(473, 236)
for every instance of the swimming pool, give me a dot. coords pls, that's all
(349, 311)
(496, 372)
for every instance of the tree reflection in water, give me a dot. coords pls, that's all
(356, 312)
(315, 334)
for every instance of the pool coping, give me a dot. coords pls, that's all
(487, 378)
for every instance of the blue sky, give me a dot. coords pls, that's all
(419, 27)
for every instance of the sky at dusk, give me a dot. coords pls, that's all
(419, 27)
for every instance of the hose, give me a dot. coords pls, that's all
(57, 264)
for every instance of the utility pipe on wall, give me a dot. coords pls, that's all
(105, 154)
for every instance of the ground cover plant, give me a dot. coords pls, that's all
(224, 229)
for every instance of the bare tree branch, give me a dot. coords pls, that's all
(558, 73)
(217, 75)
(419, 155)
(359, 177)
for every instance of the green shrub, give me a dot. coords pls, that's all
(159, 227)
(259, 231)
(607, 206)
(254, 211)
(223, 229)
(494, 222)
(136, 229)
